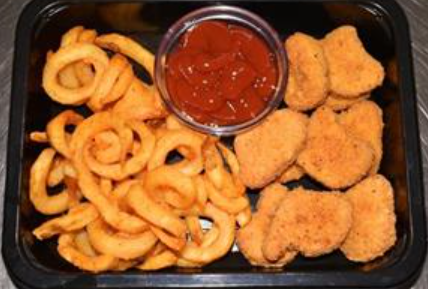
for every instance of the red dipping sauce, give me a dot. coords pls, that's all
(221, 74)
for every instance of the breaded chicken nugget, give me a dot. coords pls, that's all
(364, 121)
(373, 229)
(313, 223)
(267, 150)
(338, 103)
(250, 238)
(293, 173)
(332, 156)
(352, 70)
(308, 81)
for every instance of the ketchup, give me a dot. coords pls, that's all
(221, 73)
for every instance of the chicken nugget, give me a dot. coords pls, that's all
(364, 121)
(373, 229)
(332, 156)
(352, 70)
(292, 173)
(250, 238)
(268, 149)
(308, 81)
(313, 223)
(338, 103)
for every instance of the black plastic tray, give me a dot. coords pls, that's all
(384, 30)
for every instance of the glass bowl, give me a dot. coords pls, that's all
(236, 16)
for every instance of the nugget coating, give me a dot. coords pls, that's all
(373, 230)
(250, 238)
(268, 149)
(308, 81)
(292, 173)
(338, 103)
(364, 121)
(352, 70)
(332, 156)
(311, 222)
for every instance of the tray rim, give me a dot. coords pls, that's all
(26, 274)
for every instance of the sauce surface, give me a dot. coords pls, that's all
(221, 74)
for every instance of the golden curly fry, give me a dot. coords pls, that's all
(81, 240)
(120, 245)
(107, 147)
(80, 73)
(220, 246)
(116, 81)
(143, 204)
(121, 170)
(163, 260)
(44, 203)
(88, 182)
(195, 230)
(62, 171)
(125, 45)
(192, 164)
(77, 218)
(140, 102)
(227, 183)
(244, 217)
(58, 137)
(65, 56)
(39, 136)
(56, 173)
(67, 76)
(68, 250)
(168, 183)
(230, 205)
(172, 242)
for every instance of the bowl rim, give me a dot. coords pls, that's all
(226, 13)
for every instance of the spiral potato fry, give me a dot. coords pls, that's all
(66, 56)
(224, 189)
(192, 164)
(116, 81)
(73, 74)
(79, 73)
(124, 203)
(104, 121)
(126, 247)
(160, 261)
(128, 47)
(140, 201)
(44, 203)
(68, 250)
(183, 186)
(77, 218)
(61, 171)
(222, 243)
(56, 131)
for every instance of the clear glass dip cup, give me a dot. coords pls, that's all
(232, 15)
